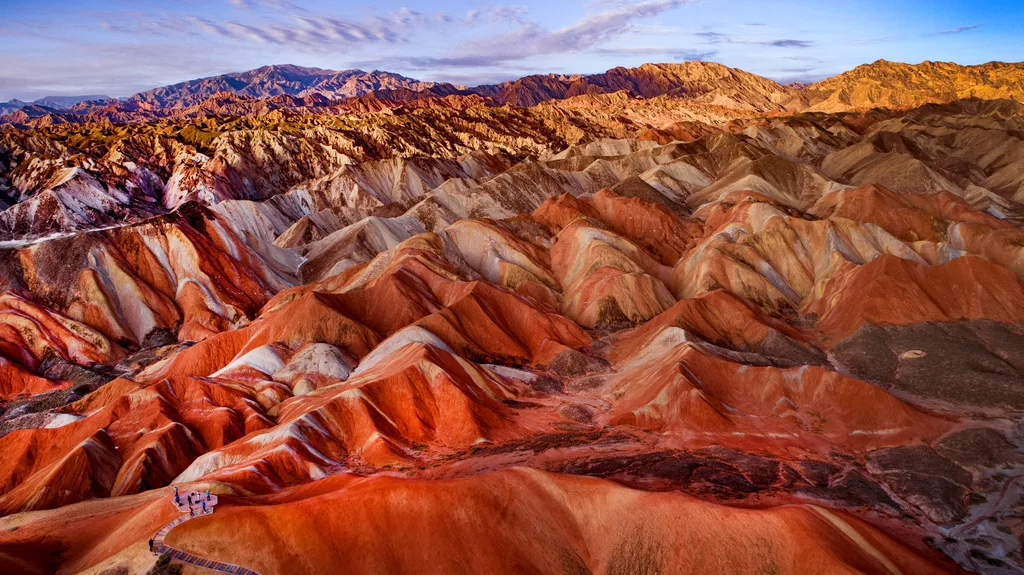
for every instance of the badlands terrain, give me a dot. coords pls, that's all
(670, 319)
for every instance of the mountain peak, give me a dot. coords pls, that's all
(279, 79)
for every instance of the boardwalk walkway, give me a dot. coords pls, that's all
(196, 508)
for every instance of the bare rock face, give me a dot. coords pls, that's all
(639, 321)
(896, 85)
(571, 363)
(968, 365)
(978, 447)
(925, 479)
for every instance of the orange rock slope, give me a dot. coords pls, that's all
(509, 522)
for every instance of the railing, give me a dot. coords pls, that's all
(161, 548)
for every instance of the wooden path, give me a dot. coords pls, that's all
(194, 510)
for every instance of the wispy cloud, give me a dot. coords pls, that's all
(656, 51)
(957, 30)
(318, 32)
(894, 38)
(267, 4)
(515, 14)
(720, 38)
(781, 43)
(306, 31)
(532, 39)
(654, 30)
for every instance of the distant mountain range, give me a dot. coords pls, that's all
(314, 90)
(287, 80)
(687, 79)
(55, 102)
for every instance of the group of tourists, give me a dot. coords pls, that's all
(193, 499)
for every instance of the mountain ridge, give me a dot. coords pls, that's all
(880, 84)
(55, 102)
(275, 80)
(900, 85)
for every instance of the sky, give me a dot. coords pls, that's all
(120, 47)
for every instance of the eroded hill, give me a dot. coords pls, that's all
(549, 319)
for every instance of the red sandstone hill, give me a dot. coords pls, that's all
(509, 522)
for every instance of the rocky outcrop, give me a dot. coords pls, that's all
(884, 84)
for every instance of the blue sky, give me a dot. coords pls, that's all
(119, 47)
